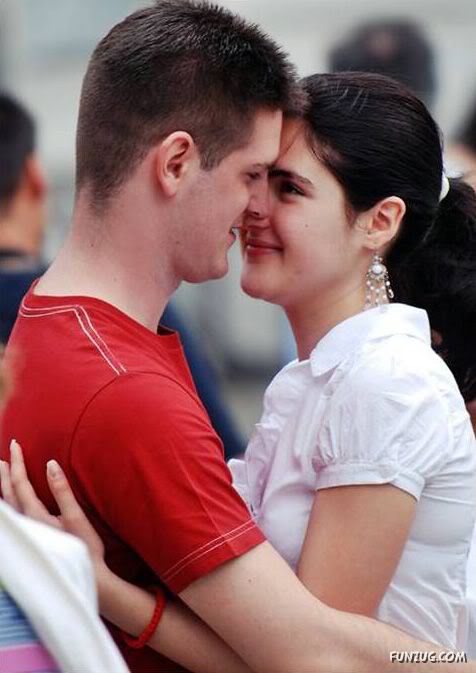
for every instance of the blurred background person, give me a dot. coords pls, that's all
(463, 151)
(207, 382)
(397, 48)
(22, 209)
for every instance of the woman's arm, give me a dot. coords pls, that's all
(181, 635)
(354, 540)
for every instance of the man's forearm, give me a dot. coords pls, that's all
(360, 644)
(259, 607)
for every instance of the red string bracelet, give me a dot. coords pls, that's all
(142, 640)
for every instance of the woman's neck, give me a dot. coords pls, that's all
(311, 320)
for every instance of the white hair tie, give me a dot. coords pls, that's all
(445, 187)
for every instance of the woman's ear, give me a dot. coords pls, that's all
(382, 222)
(176, 157)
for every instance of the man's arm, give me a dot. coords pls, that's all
(286, 630)
(260, 608)
(146, 460)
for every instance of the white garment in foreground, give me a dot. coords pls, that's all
(49, 575)
(374, 404)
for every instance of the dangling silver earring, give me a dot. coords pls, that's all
(379, 290)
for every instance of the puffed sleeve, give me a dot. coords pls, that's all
(385, 422)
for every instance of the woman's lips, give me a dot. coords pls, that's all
(258, 248)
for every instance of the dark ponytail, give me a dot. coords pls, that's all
(379, 140)
(440, 276)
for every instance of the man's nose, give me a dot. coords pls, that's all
(258, 208)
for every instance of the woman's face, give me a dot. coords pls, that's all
(304, 249)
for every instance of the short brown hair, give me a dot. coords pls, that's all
(178, 65)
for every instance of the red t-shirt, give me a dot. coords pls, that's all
(116, 406)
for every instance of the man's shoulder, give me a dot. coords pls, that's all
(73, 363)
(145, 403)
(89, 339)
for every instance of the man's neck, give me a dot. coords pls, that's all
(138, 284)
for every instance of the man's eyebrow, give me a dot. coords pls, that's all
(263, 166)
(276, 172)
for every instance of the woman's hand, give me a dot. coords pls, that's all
(20, 494)
(121, 603)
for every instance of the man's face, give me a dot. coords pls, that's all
(220, 199)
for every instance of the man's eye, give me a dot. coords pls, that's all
(254, 176)
(290, 188)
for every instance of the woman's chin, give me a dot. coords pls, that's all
(258, 290)
(252, 288)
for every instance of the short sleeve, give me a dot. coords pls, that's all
(148, 461)
(384, 423)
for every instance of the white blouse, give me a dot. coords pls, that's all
(374, 404)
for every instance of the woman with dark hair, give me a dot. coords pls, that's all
(362, 470)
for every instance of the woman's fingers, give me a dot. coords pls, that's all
(24, 492)
(6, 485)
(71, 512)
(72, 516)
(20, 494)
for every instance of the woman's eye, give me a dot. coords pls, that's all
(254, 176)
(290, 188)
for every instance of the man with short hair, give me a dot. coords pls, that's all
(180, 117)
(22, 210)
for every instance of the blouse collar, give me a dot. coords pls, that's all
(371, 325)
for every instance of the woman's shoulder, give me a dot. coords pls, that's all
(397, 364)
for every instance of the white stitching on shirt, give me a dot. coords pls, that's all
(195, 555)
(86, 315)
(198, 549)
(90, 337)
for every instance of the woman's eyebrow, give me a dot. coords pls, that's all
(278, 172)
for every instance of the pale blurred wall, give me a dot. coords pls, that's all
(44, 46)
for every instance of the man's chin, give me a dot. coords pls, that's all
(212, 273)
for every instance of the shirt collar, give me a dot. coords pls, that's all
(349, 335)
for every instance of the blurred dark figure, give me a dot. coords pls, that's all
(468, 133)
(22, 210)
(395, 48)
(207, 384)
(462, 152)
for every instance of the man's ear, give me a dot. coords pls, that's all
(176, 156)
(382, 222)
